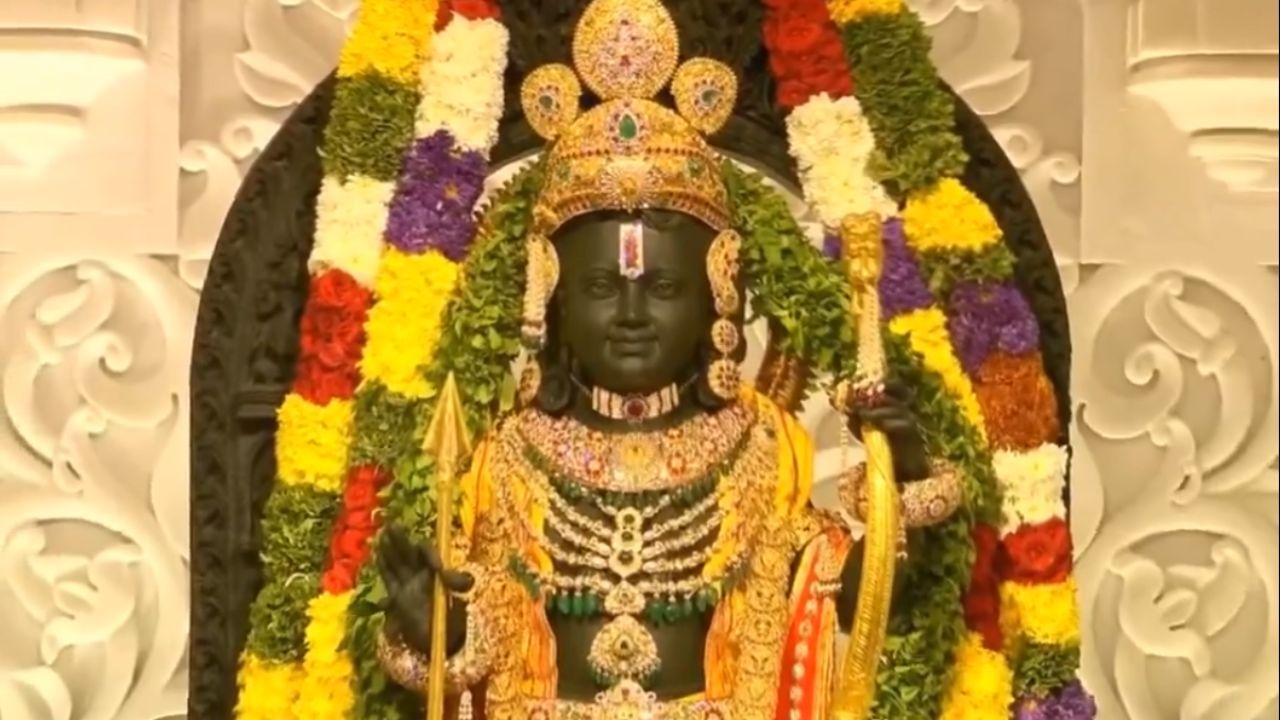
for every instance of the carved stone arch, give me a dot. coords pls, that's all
(247, 333)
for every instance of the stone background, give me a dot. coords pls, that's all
(1146, 131)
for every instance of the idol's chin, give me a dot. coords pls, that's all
(635, 374)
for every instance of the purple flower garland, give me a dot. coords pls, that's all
(985, 317)
(1071, 703)
(435, 198)
(902, 287)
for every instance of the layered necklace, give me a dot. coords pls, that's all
(656, 525)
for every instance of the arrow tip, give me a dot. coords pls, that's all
(447, 437)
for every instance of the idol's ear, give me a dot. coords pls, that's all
(705, 91)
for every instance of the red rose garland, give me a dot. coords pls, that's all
(349, 544)
(1037, 554)
(806, 55)
(982, 601)
(331, 338)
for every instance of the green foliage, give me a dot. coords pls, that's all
(387, 425)
(481, 332)
(912, 115)
(793, 285)
(278, 617)
(1044, 669)
(928, 616)
(295, 530)
(943, 269)
(295, 540)
(370, 127)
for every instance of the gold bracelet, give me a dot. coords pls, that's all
(407, 667)
(463, 670)
(925, 502)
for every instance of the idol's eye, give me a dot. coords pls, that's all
(601, 287)
(663, 287)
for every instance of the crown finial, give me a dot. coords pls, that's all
(626, 48)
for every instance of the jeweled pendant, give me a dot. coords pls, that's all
(624, 650)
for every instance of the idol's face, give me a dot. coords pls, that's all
(634, 304)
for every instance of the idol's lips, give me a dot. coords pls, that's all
(632, 344)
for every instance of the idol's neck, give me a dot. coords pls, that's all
(583, 410)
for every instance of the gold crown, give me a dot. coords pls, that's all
(629, 152)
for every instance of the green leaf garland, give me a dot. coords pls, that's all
(911, 114)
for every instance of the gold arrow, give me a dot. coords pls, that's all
(448, 442)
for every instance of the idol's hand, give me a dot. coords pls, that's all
(894, 418)
(409, 571)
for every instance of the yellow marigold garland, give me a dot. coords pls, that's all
(404, 324)
(325, 691)
(926, 330)
(948, 215)
(392, 37)
(847, 11)
(1046, 614)
(266, 689)
(982, 688)
(311, 445)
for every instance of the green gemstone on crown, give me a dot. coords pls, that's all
(628, 128)
(547, 102)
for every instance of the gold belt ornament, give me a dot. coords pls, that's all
(628, 701)
(863, 255)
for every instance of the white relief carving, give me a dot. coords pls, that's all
(93, 497)
(291, 46)
(975, 45)
(1177, 385)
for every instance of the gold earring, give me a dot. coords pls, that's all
(723, 263)
(542, 272)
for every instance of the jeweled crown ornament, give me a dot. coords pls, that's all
(630, 152)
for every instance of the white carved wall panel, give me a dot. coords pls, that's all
(1146, 131)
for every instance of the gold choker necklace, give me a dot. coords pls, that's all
(635, 407)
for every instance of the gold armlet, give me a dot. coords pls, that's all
(925, 502)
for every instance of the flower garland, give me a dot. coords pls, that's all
(946, 289)
(424, 226)
(375, 89)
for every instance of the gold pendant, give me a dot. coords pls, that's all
(624, 650)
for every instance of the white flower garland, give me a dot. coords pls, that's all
(350, 217)
(1031, 485)
(463, 80)
(832, 143)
